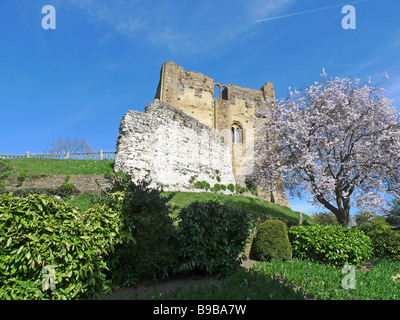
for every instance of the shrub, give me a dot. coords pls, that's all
(66, 190)
(364, 217)
(325, 219)
(271, 242)
(217, 187)
(386, 242)
(231, 187)
(39, 232)
(336, 245)
(223, 187)
(393, 215)
(211, 237)
(202, 185)
(147, 248)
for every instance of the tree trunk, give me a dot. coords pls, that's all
(343, 217)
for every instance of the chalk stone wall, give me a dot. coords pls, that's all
(170, 147)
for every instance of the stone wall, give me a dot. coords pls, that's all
(171, 147)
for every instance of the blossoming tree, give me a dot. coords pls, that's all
(337, 140)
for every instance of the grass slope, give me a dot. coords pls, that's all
(255, 207)
(61, 166)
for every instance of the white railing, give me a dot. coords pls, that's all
(94, 155)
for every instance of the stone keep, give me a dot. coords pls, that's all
(195, 127)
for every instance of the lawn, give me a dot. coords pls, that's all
(290, 280)
(61, 166)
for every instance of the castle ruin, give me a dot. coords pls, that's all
(195, 129)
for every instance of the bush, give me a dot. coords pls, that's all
(336, 245)
(231, 187)
(386, 242)
(147, 249)
(271, 242)
(393, 215)
(364, 217)
(39, 233)
(325, 219)
(216, 188)
(202, 185)
(211, 237)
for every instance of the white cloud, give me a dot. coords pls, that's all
(182, 26)
(268, 17)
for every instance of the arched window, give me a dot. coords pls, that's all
(224, 93)
(221, 93)
(217, 91)
(237, 134)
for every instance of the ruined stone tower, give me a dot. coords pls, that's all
(218, 131)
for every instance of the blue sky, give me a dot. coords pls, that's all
(104, 57)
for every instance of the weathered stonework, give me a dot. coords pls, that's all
(194, 127)
(171, 147)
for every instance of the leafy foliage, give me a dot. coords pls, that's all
(393, 215)
(325, 219)
(147, 247)
(38, 231)
(364, 217)
(336, 245)
(271, 242)
(386, 241)
(211, 237)
(202, 185)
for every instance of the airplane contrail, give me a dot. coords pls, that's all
(307, 11)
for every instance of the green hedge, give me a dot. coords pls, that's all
(41, 237)
(211, 237)
(336, 244)
(386, 242)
